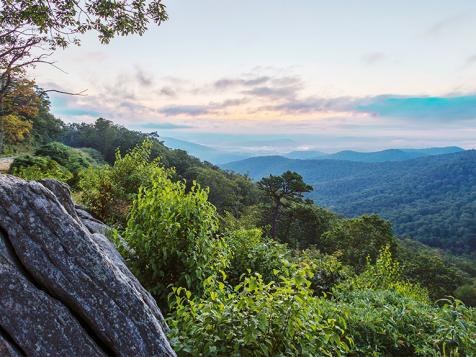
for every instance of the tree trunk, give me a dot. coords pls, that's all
(274, 219)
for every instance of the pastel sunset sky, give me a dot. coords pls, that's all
(274, 76)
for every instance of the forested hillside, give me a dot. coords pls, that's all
(431, 199)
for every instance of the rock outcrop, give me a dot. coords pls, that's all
(64, 289)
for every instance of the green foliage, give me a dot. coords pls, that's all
(358, 239)
(59, 23)
(14, 129)
(430, 199)
(467, 293)
(328, 271)
(108, 191)
(385, 274)
(286, 188)
(387, 323)
(229, 192)
(431, 269)
(302, 225)
(249, 250)
(255, 318)
(36, 168)
(73, 159)
(171, 234)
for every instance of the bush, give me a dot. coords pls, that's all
(255, 318)
(358, 239)
(171, 232)
(36, 168)
(385, 274)
(386, 323)
(73, 159)
(328, 271)
(249, 250)
(108, 191)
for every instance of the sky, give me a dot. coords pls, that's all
(275, 76)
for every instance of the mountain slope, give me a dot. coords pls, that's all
(432, 199)
(204, 152)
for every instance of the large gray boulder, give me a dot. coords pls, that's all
(64, 289)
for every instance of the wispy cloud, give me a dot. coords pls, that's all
(191, 110)
(443, 25)
(162, 125)
(450, 108)
(226, 83)
(144, 79)
(373, 58)
(470, 61)
(199, 110)
(168, 92)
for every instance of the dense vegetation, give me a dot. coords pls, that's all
(430, 199)
(257, 270)
(230, 290)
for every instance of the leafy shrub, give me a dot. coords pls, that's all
(93, 154)
(249, 250)
(108, 191)
(385, 322)
(171, 232)
(328, 271)
(73, 159)
(36, 168)
(385, 274)
(428, 267)
(467, 293)
(255, 318)
(358, 239)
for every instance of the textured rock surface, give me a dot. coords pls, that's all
(59, 275)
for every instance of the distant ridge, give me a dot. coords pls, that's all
(391, 154)
(204, 152)
(221, 157)
(375, 156)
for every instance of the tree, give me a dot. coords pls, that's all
(30, 30)
(359, 239)
(14, 129)
(289, 187)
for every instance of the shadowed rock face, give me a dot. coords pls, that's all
(64, 289)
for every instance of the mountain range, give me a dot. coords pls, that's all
(430, 198)
(375, 156)
(219, 156)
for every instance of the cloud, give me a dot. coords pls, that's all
(471, 60)
(226, 83)
(262, 86)
(270, 92)
(373, 58)
(451, 108)
(313, 105)
(446, 24)
(163, 125)
(143, 78)
(191, 110)
(168, 92)
(199, 110)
